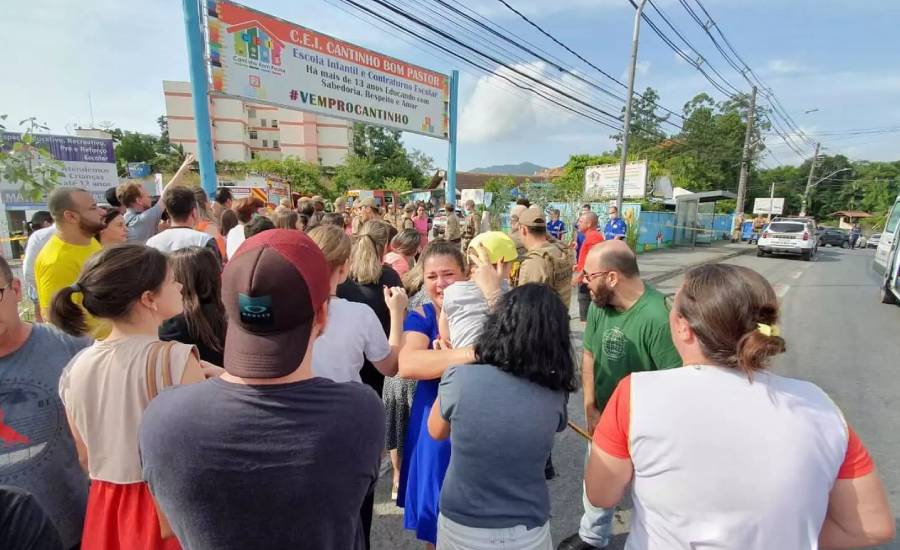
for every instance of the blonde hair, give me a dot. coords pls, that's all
(366, 263)
(286, 219)
(335, 244)
(406, 242)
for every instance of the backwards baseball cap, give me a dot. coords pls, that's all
(272, 289)
(498, 244)
(532, 217)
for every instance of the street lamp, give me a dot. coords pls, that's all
(627, 122)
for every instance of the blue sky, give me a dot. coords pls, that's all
(837, 56)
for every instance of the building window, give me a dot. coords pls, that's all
(265, 143)
(275, 143)
(274, 123)
(253, 134)
(251, 112)
(262, 122)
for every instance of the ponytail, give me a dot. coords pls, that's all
(66, 314)
(366, 260)
(110, 282)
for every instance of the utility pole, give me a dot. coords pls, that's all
(809, 181)
(771, 202)
(745, 166)
(628, 98)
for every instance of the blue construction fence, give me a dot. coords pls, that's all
(655, 229)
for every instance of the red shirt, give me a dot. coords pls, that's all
(591, 238)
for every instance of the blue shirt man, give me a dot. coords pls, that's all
(616, 228)
(556, 227)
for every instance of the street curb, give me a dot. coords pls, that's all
(676, 272)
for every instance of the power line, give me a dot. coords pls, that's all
(579, 56)
(479, 66)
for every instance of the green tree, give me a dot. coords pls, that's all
(134, 147)
(386, 156)
(28, 164)
(646, 124)
(303, 177)
(398, 185)
(355, 173)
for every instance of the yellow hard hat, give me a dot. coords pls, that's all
(498, 244)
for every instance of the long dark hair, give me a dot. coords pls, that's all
(110, 282)
(198, 271)
(527, 335)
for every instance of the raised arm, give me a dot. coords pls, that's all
(417, 362)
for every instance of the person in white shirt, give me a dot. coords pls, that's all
(181, 205)
(141, 215)
(353, 333)
(33, 247)
(245, 210)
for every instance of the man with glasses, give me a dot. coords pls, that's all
(627, 331)
(37, 451)
(78, 219)
(587, 226)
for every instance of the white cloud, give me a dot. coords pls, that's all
(786, 67)
(498, 110)
(641, 68)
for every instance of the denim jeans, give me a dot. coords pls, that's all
(596, 523)
(453, 536)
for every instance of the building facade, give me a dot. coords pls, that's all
(243, 130)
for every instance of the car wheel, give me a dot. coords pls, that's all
(845, 244)
(760, 253)
(807, 255)
(887, 297)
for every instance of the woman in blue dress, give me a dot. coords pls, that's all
(425, 460)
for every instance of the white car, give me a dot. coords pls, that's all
(794, 236)
(873, 240)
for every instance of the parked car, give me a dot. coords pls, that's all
(834, 237)
(873, 240)
(795, 236)
(887, 257)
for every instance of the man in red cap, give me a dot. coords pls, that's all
(266, 456)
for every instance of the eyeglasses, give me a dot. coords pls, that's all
(588, 277)
(670, 302)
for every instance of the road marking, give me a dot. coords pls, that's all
(797, 275)
(781, 290)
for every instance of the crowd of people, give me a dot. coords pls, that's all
(227, 375)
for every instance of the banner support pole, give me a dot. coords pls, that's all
(451, 155)
(200, 95)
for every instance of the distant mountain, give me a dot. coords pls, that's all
(521, 169)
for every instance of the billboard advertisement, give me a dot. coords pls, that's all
(768, 206)
(89, 163)
(603, 180)
(257, 57)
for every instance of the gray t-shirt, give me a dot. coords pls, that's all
(37, 452)
(275, 466)
(501, 432)
(142, 225)
(466, 310)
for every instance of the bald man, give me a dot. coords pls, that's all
(587, 226)
(627, 331)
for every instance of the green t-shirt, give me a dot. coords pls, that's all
(633, 340)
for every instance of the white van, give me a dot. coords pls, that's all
(887, 257)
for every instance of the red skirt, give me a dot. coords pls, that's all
(123, 517)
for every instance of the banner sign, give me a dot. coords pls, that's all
(768, 206)
(258, 57)
(89, 163)
(603, 180)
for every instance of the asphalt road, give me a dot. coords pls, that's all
(839, 336)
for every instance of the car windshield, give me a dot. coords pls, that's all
(786, 227)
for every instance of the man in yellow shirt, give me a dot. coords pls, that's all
(78, 219)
